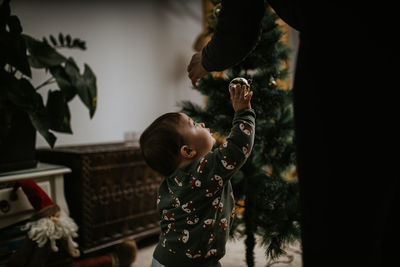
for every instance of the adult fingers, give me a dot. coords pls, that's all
(194, 82)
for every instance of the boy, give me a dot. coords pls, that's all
(195, 199)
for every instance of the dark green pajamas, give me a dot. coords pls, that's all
(196, 202)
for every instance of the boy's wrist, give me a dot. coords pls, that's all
(244, 112)
(243, 109)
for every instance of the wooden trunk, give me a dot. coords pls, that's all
(111, 192)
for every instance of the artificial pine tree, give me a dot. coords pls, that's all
(265, 189)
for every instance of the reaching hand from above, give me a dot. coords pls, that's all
(195, 69)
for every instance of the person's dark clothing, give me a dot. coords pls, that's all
(346, 114)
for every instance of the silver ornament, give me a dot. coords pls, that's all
(241, 81)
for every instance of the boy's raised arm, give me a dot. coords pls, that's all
(224, 161)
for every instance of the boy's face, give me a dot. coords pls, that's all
(196, 136)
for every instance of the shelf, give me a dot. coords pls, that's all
(42, 169)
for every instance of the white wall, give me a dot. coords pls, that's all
(138, 50)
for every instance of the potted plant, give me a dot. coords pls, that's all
(22, 110)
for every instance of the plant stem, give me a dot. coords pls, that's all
(48, 81)
(11, 69)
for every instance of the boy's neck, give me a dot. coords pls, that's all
(185, 162)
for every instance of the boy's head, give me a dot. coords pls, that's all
(172, 139)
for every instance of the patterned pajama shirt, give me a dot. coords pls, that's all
(196, 202)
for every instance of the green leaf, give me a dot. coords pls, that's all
(13, 52)
(75, 42)
(14, 25)
(72, 70)
(45, 40)
(85, 84)
(64, 82)
(53, 40)
(4, 14)
(58, 110)
(22, 94)
(68, 40)
(79, 44)
(90, 81)
(35, 63)
(82, 45)
(41, 122)
(237, 177)
(61, 38)
(41, 54)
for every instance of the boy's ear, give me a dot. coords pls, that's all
(187, 152)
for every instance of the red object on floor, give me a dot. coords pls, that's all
(100, 261)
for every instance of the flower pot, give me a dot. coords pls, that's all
(18, 149)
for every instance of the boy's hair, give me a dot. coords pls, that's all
(160, 143)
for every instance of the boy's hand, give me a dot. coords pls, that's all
(239, 101)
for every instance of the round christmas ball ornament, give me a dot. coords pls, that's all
(241, 81)
(272, 82)
(217, 9)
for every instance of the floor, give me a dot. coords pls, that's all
(234, 257)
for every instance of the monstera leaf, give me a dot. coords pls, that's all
(57, 108)
(64, 82)
(24, 96)
(85, 84)
(42, 55)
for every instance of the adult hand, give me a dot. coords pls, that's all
(196, 69)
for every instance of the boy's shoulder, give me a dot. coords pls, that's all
(188, 169)
(197, 169)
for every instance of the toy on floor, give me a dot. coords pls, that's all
(123, 255)
(48, 227)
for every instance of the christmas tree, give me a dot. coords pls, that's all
(265, 188)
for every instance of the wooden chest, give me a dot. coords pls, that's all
(111, 192)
